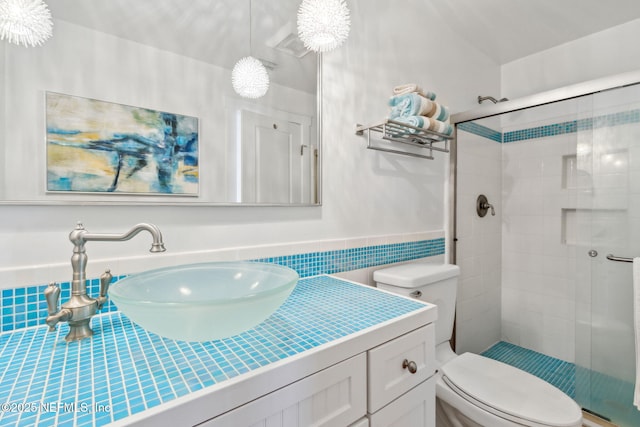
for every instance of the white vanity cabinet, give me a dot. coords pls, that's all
(332, 397)
(392, 384)
(417, 407)
(401, 380)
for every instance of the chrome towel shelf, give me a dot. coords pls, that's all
(393, 131)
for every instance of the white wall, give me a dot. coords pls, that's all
(365, 193)
(602, 54)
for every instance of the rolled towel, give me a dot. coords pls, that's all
(426, 123)
(413, 104)
(412, 87)
(440, 112)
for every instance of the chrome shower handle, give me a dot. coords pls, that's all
(483, 205)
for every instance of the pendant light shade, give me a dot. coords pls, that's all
(25, 22)
(249, 78)
(323, 25)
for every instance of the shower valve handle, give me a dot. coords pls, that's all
(489, 206)
(483, 205)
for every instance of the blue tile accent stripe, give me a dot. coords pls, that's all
(24, 307)
(124, 369)
(541, 131)
(330, 262)
(572, 126)
(480, 130)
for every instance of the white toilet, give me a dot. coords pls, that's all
(473, 390)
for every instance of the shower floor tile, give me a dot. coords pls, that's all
(605, 395)
(554, 371)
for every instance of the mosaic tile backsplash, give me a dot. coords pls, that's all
(26, 306)
(124, 369)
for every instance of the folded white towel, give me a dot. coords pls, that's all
(636, 325)
(412, 87)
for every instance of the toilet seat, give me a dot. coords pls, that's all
(509, 392)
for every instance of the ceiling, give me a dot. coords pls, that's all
(506, 30)
(217, 31)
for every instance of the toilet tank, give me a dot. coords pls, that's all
(433, 283)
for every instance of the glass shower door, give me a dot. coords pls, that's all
(606, 177)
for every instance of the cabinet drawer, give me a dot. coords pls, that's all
(332, 397)
(417, 408)
(389, 375)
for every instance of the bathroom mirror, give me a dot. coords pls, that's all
(131, 102)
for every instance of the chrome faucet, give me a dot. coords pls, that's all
(80, 308)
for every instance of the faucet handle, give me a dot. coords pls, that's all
(105, 281)
(52, 295)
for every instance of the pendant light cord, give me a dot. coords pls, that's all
(250, 31)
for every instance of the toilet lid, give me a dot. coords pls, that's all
(510, 392)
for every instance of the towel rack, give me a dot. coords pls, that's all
(403, 133)
(619, 258)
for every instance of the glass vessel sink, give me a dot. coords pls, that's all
(202, 302)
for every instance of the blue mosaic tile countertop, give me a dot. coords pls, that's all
(124, 373)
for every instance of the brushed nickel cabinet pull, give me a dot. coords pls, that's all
(411, 366)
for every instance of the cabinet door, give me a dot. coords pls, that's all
(389, 376)
(335, 396)
(416, 408)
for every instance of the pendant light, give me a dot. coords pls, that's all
(249, 76)
(25, 22)
(323, 25)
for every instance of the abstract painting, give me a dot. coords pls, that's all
(102, 147)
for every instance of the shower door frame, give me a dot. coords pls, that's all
(548, 97)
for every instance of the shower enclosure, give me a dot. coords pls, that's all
(562, 170)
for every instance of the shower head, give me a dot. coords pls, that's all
(490, 98)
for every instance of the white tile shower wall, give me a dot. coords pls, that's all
(538, 269)
(479, 245)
